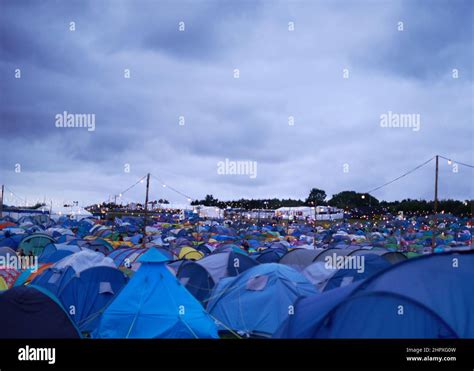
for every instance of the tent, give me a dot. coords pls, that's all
(35, 243)
(7, 252)
(58, 275)
(8, 277)
(299, 259)
(126, 256)
(85, 296)
(155, 305)
(3, 284)
(52, 253)
(11, 241)
(269, 256)
(310, 312)
(199, 277)
(392, 257)
(29, 312)
(335, 252)
(260, 299)
(318, 274)
(418, 298)
(97, 244)
(72, 212)
(372, 264)
(189, 253)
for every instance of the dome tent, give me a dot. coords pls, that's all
(87, 294)
(259, 300)
(372, 264)
(393, 303)
(58, 275)
(29, 312)
(299, 259)
(35, 243)
(200, 277)
(155, 305)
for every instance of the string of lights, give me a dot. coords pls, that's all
(173, 189)
(450, 161)
(133, 185)
(401, 176)
(23, 200)
(141, 180)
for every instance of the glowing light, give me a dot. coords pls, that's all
(449, 162)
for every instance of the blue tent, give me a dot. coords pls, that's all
(200, 276)
(418, 298)
(29, 312)
(12, 241)
(86, 296)
(310, 311)
(371, 263)
(52, 253)
(53, 279)
(155, 305)
(269, 256)
(260, 299)
(55, 256)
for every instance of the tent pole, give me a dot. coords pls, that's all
(435, 219)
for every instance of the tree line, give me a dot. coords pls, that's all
(347, 200)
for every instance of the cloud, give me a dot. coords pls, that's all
(191, 74)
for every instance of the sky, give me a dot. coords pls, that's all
(296, 89)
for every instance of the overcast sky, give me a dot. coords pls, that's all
(336, 143)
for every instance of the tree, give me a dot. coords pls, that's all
(351, 199)
(209, 200)
(316, 197)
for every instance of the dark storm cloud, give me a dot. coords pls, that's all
(190, 74)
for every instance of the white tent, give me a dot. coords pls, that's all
(211, 212)
(306, 212)
(72, 212)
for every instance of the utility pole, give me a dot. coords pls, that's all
(146, 208)
(113, 215)
(314, 224)
(435, 219)
(1, 201)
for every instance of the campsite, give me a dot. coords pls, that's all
(200, 277)
(236, 184)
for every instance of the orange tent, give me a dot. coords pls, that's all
(7, 224)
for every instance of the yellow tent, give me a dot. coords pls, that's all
(116, 244)
(3, 284)
(189, 253)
